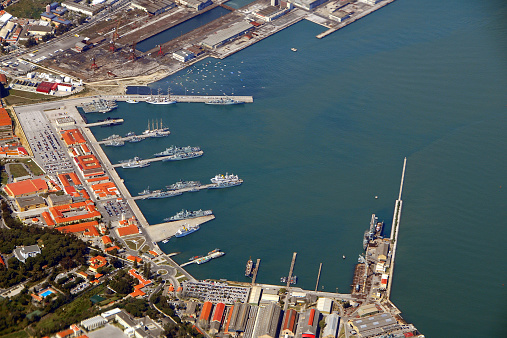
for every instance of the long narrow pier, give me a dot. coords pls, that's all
(191, 189)
(128, 138)
(291, 268)
(256, 270)
(318, 278)
(182, 98)
(148, 160)
(104, 123)
(395, 227)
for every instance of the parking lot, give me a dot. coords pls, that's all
(45, 144)
(114, 209)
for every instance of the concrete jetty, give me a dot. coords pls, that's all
(395, 229)
(182, 98)
(188, 189)
(104, 123)
(291, 268)
(256, 270)
(159, 232)
(148, 160)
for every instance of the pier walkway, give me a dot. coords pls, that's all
(128, 138)
(189, 189)
(395, 229)
(162, 231)
(181, 98)
(149, 160)
(104, 123)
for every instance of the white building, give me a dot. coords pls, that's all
(370, 2)
(23, 252)
(93, 323)
(325, 305)
(183, 55)
(332, 324)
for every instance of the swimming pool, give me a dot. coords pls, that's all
(46, 293)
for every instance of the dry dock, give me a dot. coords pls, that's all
(161, 231)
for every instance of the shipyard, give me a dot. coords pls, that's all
(115, 49)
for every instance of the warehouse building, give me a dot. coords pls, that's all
(82, 8)
(324, 305)
(289, 323)
(183, 55)
(195, 4)
(332, 325)
(239, 318)
(307, 4)
(269, 321)
(153, 7)
(5, 122)
(375, 325)
(309, 324)
(228, 34)
(30, 203)
(94, 323)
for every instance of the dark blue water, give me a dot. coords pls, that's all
(182, 28)
(327, 132)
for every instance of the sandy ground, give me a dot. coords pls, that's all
(162, 231)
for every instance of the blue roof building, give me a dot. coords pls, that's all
(47, 16)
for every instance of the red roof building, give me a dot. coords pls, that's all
(106, 240)
(219, 312)
(26, 188)
(142, 283)
(206, 312)
(97, 262)
(68, 213)
(134, 258)
(86, 162)
(72, 137)
(112, 248)
(45, 87)
(128, 230)
(88, 228)
(65, 334)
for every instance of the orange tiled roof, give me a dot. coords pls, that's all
(65, 333)
(153, 253)
(47, 218)
(88, 162)
(97, 262)
(128, 230)
(72, 136)
(5, 119)
(58, 212)
(112, 248)
(134, 258)
(26, 187)
(142, 283)
(106, 240)
(88, 228)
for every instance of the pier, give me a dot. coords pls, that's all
(162, 231)
(191, 189)
(149, 160)
(256, 270)
(318, 278)
(182, 98)
(128, 138)
(395, 227)
(291, 268)
(104, 123)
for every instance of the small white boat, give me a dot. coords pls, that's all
(343, 256)
(294, 49)
(132, 101)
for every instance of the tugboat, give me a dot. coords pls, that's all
(184, 231)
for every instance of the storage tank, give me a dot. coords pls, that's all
(48, 8)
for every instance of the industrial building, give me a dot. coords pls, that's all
(271, 13)
(218, 316)
(183, 55)
(289, 323)
(375, 325)
(308, 324)
(332, 325)
(40, 30)
(26, 188)
(30, 203)
(195, 4)
(204, 318)
(307, 4)
(228, 34)
(325, 305)
(82, 8)
(239, 318)
(153, 7)
(370, 2)
(339, 15)
(269, 321)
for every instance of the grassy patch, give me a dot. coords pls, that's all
(17, 170)
(34, 168)
(19, 97)
(5, 178)
(19, 334)
(28, 8)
